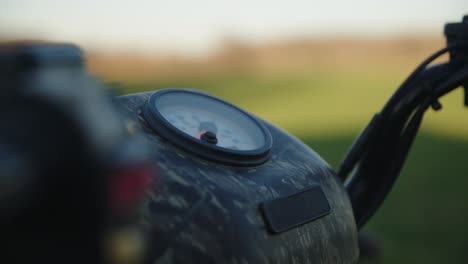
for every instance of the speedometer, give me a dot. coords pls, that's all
(208, 126)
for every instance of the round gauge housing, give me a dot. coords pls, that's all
(208, 127)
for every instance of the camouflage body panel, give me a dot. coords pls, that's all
(203, 212)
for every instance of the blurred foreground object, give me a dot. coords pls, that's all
(64, 151)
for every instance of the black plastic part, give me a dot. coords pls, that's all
(369, 247)
(201, 148)
(30, 56)
(436, 105)
(456, 34)
(288, 212)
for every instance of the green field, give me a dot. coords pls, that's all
(422, 221)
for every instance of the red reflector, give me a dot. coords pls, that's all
(128, 187)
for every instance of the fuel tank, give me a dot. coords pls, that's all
(290, 209)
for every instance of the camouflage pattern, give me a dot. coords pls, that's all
(199, 211)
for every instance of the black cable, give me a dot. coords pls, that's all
(377, 157)
(452, 83)
(368, 136)
(408, 136)
(407, 84)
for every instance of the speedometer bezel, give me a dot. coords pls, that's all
(201, 148)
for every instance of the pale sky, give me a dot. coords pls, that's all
(176, 25)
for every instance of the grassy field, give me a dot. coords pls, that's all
(422, 220)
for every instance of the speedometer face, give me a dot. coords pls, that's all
(208, 126)
(195, 122)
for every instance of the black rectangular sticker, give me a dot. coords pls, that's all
(290, 211)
